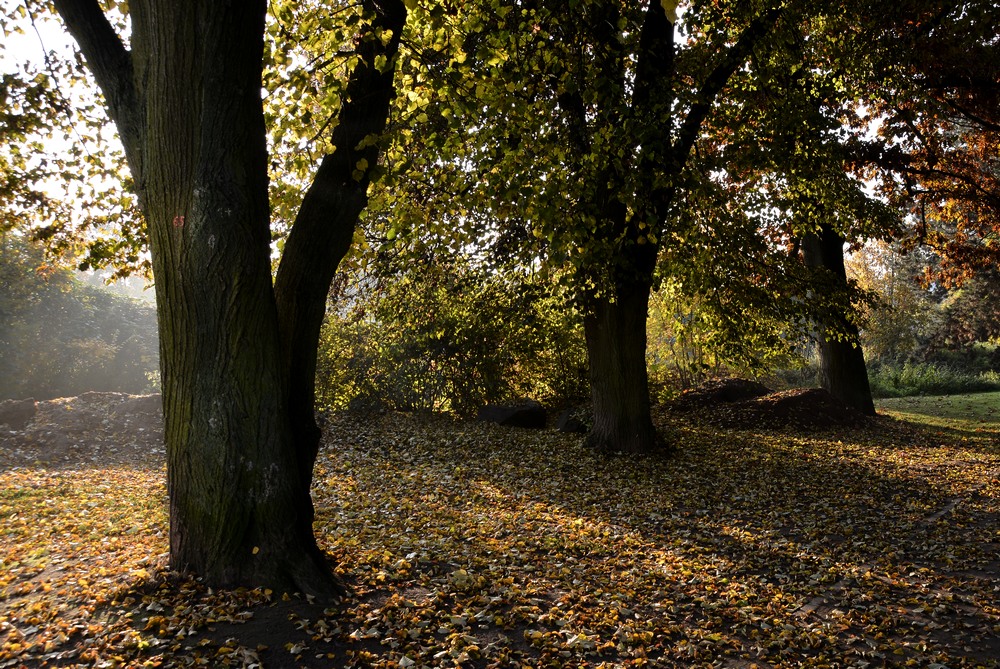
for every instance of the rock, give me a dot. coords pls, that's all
(16, 414)
(529, 414)
(366, 405)
(570, 421)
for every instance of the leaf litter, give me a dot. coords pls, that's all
(473, 545)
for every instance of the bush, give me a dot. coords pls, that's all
(446, 336)
(912, 378)
(690, 340)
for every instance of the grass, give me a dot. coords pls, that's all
(475, 546)
(979, 412)
(915, 379)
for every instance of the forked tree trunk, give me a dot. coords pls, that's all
(186, 101)
(235, 492)
(842, 361)
(615, 323)
(616, 347)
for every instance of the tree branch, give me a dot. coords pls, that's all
(324, 226)
(735, 56)
(111, 64)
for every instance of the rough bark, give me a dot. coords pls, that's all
(842, 361)
(616, 347)
(186, 101)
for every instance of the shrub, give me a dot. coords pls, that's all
(691, 340)
(913, 378)
(446, 336)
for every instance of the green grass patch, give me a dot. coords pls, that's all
(911, 379)
(976, 412)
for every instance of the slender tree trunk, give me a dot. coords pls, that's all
(616, 346)
(842, 361)
(326, 221)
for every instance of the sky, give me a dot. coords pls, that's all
(26, 51)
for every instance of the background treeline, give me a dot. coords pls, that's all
(448, 332)
(922, 338)
(61, 337)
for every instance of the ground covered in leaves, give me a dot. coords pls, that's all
(472, 545)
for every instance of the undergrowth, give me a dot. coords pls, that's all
(913, 378)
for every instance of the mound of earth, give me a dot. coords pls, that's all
(719, 391)
(109, 428)
(807, 408)
(738, 403)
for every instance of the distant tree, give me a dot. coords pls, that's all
(60, 337)
(898, 323)
(971, 314)
(567, 132)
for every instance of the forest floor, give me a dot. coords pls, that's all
(471, 545)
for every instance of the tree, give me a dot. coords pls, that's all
(237, 353)
(60, 337)
(578, 121)
(799, 158)
(901, 318)
(931, 76)
(971, 316)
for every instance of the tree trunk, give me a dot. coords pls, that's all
(186, 101)
(842, 361)
(236, 502)
(616, 347)
(324, 227)
(615, 321)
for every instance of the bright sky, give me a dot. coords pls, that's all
(20, 52)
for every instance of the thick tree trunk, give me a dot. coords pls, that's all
(186, 100)
(236, 498)
(842, 361)
(616, 348)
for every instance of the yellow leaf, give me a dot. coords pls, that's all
(670, 7)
